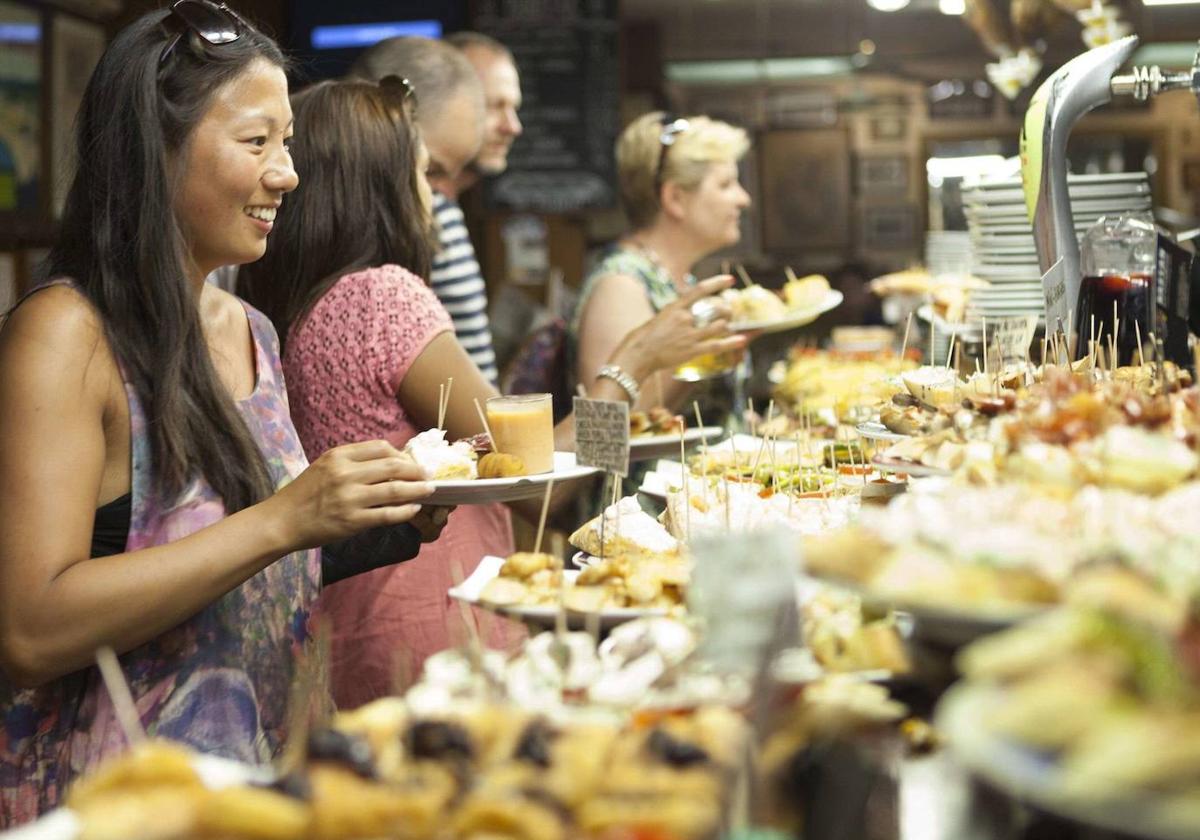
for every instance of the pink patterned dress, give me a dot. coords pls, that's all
(219, 681)
(344, 362)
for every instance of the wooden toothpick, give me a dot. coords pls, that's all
(537, 546)
(743, 276)
(904, 344)
(486, 427)
(122, 700)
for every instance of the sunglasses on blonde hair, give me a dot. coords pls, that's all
(672, 127)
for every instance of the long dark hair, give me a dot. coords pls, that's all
(357, 205)
(122, 245)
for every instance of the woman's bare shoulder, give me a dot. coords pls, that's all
(59, 315)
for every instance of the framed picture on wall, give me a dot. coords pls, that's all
(890, 228)
(76, 47)
(882, 174)
(805, 189)
(888, 127)
(21, 111)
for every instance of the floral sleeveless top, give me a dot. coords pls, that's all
(218, 682)
(660, 288)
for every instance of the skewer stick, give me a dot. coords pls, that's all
(476, 643)
(789, 274)
(862, 457)
(1137, 326)
(603, 512)
(122, 699)
(1092, 338)
(797, 475)
(486, 427)
(537, 545)
(904, 344)
(449, 388)
(1116, 330)
(560, 617)
(687, 496)
(704, 447)
(985, 347)
(743, 276)
(441, 405)
(766, 435)
(950, 349)
(728, 501)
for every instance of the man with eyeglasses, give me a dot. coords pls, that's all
(451, 115)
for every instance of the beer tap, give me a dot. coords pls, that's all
(1080, 85)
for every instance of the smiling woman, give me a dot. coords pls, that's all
(238, 169)
(156, 498)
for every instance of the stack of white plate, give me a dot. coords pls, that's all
(948, 252)
(1002, 236)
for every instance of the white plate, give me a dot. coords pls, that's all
(663, 479)
(471, 589)
(915, 470)
(1101, 178)
(793, 318)
(645, 447)
(798, 666)
(1033, 777)
(874, 430)
(482, 491)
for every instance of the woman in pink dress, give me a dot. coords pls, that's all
(367, 346)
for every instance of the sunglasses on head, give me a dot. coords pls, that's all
(214, 23)
(399, 87)
(672, 127)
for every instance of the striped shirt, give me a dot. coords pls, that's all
(458, 283)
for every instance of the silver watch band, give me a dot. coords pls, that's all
(627, 382)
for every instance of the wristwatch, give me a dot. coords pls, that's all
(627, 382)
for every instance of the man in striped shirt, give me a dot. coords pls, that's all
(458, 283)
(450, 113)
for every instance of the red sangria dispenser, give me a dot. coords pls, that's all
(1115, 309)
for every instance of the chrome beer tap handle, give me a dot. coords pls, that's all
(1144, 82)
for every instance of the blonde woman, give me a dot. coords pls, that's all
(679, 187)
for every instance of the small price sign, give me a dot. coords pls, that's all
(602, 435)
(1012, 336)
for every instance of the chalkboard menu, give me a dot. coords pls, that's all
(566, 52)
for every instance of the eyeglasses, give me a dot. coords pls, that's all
(401, 87)
(672, 127)
(215, 23)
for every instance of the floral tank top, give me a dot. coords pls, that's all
(220, 680)
(660, 288)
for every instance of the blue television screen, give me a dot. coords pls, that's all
(324, 38)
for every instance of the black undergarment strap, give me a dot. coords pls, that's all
(110, 531)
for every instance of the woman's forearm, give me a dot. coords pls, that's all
(125, 600)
